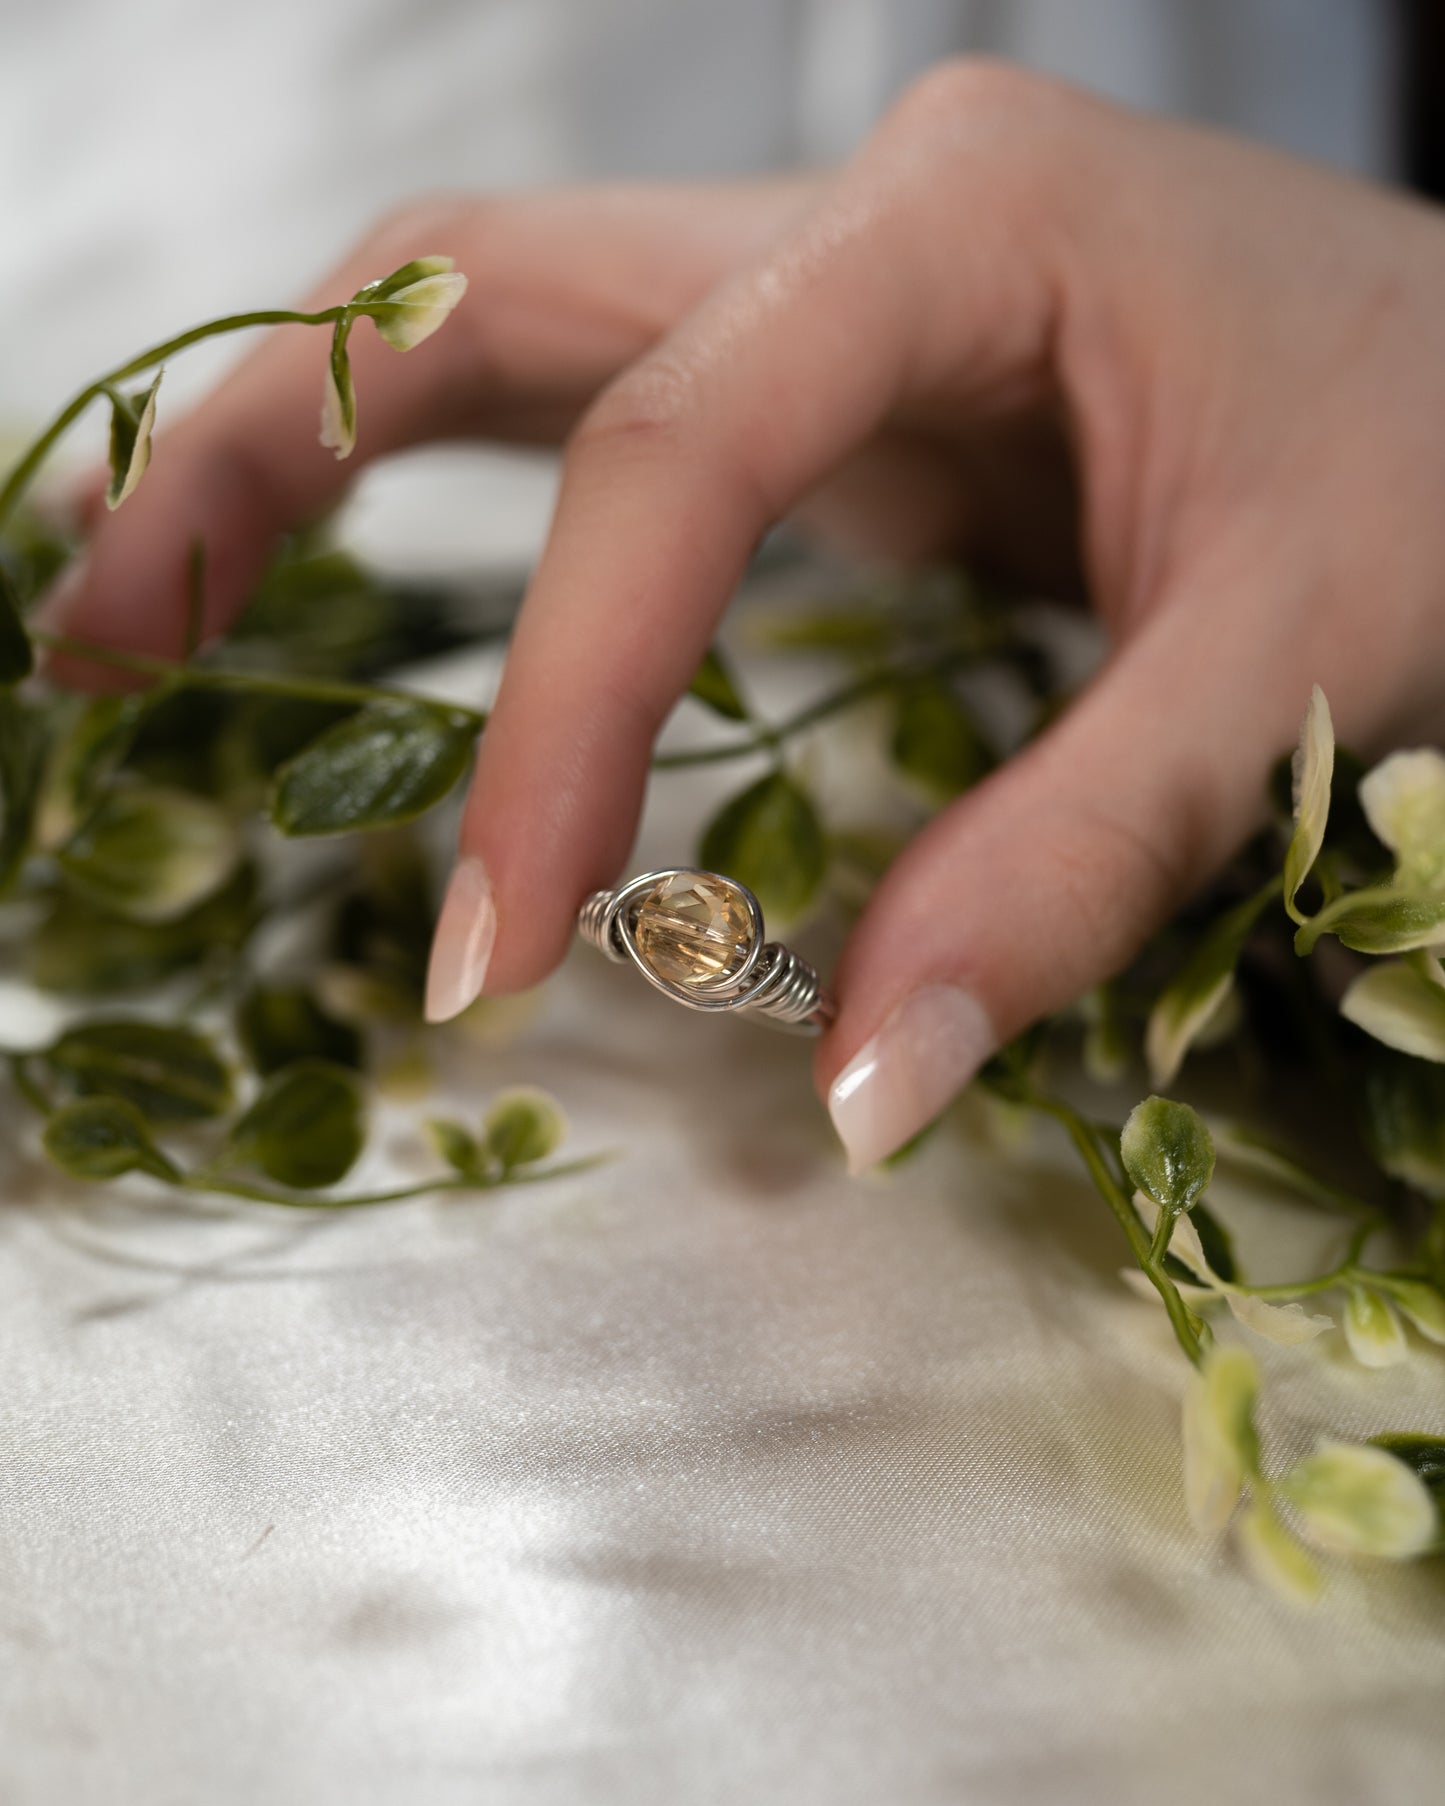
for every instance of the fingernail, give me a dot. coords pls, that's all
(927, 1050)
(462, 947)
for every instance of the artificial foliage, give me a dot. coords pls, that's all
(131, 858)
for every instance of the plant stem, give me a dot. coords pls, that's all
(19, 478)
(182, 675)
(1322, 1282)
(263, 683)
(1187, 1328)
(1305, 1288)
(765, 739)
(203, 1182)
(1323, 921)
(261, 1194)
(26, 1085)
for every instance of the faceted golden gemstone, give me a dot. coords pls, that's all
(694, 930)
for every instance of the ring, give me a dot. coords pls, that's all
(698, 938)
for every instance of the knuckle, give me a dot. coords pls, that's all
(645, 412)
(1001, 95)
(1117, 879)
(664, 416)
(1020, 135)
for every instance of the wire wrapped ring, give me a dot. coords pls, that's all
(698, 938)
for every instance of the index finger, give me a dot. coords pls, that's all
(667, 485)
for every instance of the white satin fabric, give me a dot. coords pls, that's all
(708, 1476)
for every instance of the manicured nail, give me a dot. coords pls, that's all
(462, 948)
(927, 1050)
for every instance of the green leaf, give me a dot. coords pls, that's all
(1425, 1458)
(152, 854)
(389, 763)
(460, 1149)
(24, 737)
(770, 839)
(305, 1130)
(169, 1074)
(862, 631)
(715, 688)
(1377, 920)
(1184, 1260)
(934, 740)
(1221, 1448)
(80, 949)
(418, 299)
(1275, 1558)
(1373, 1331)
(280, 1024)
(1287, 1324)
(1108, 1044)
(261, 733)
(417, 269)
(522, 1126)
(1401, 1006)
(1404, 1103)
(383, 931)
(33, 553)
(132, 421)
(338, 398)
(1167, 1153)
(1197, 992)
(1215, 1241)
(321, 612)
(1398, 927)
(1422, 1303)
(1404, 802)
(1347, 832)
(175, 739)
(102, 1138)
(82, 761)
(1313, 765)
(17, 655)
(1355, 1499)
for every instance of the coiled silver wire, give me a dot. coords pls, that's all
(775, 983)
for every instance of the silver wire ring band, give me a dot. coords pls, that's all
(698, 938)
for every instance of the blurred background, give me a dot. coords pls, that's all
(166, 160)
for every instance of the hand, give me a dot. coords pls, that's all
(1208, 380)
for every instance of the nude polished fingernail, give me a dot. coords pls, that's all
(926, 1051)
(462, 948)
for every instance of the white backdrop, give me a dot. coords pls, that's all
(168, 159)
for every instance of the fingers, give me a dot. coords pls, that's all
(1046, 879)
(666, 488)
(564, 289)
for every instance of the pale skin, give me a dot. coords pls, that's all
(1202, 383)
